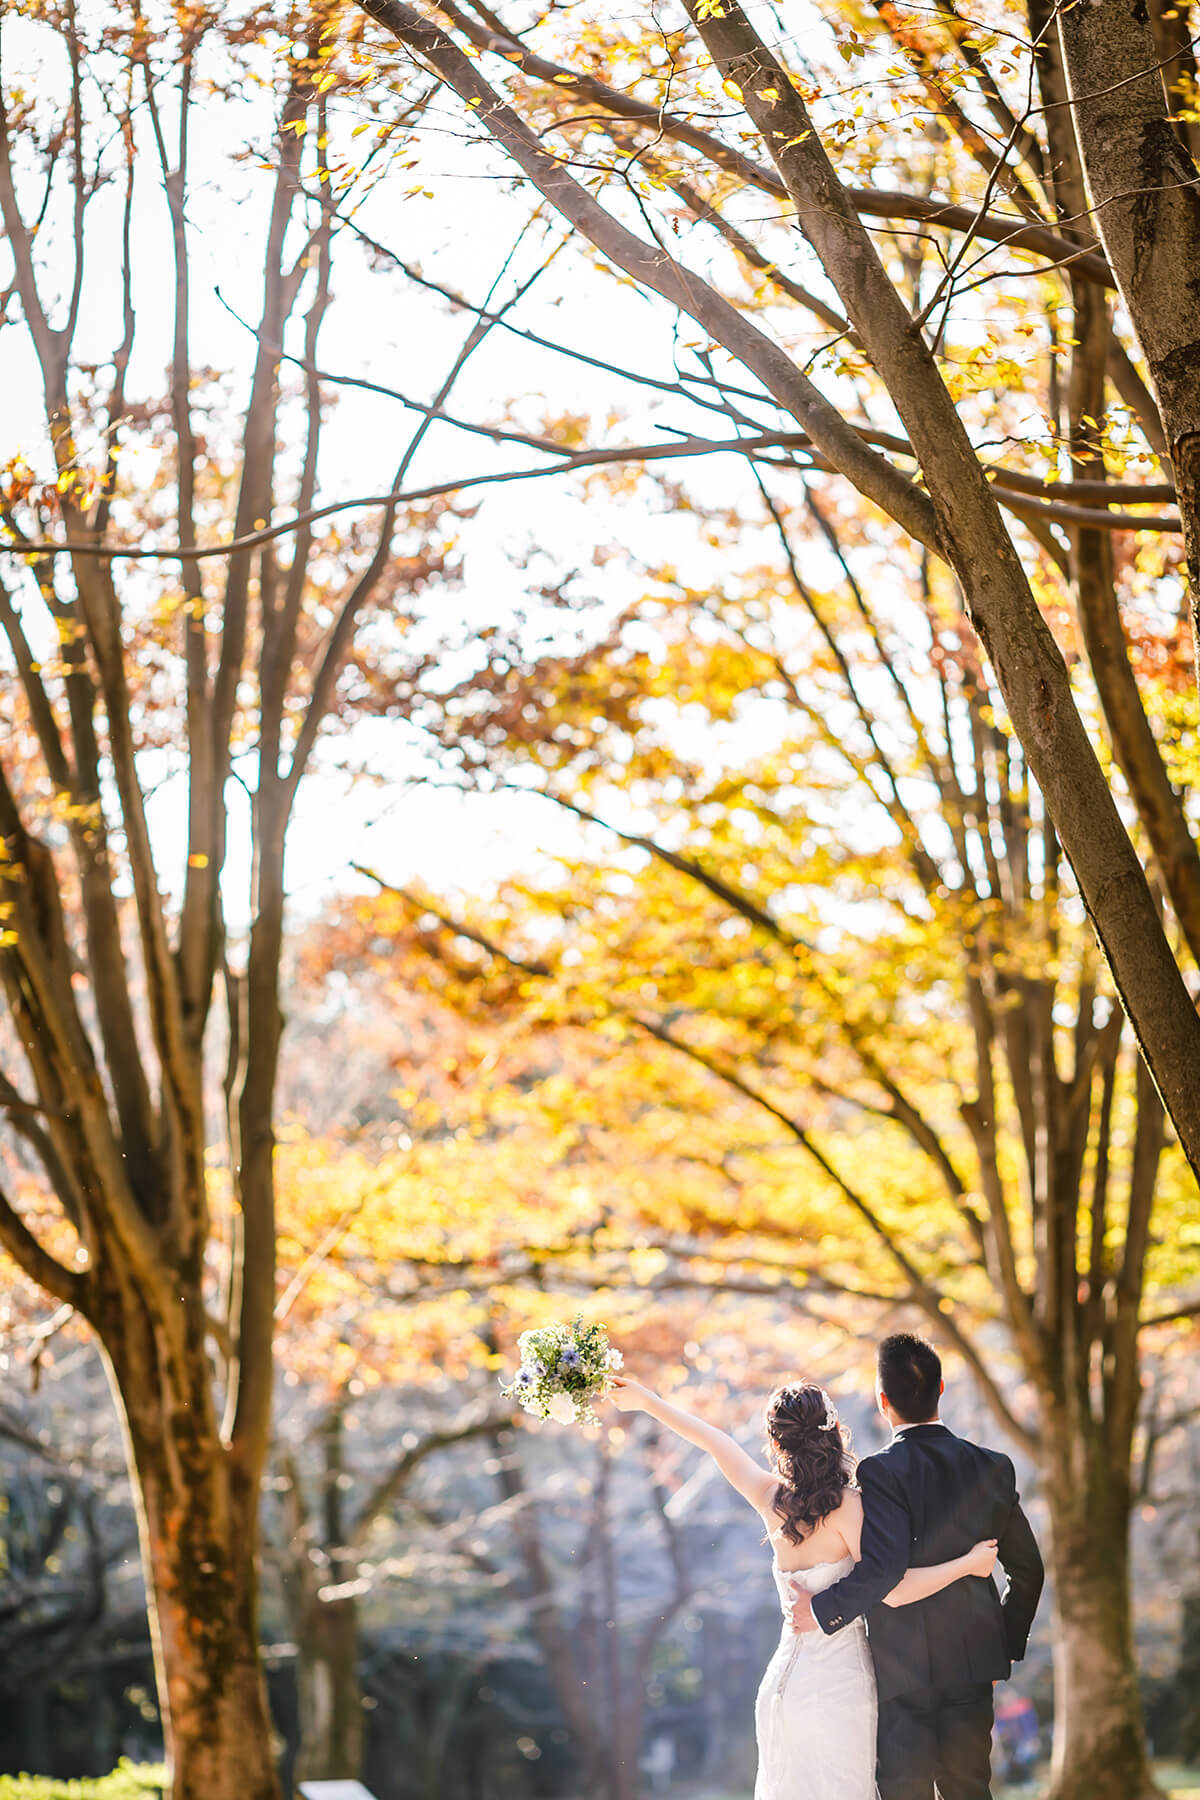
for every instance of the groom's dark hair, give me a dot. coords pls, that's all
(910, 1374)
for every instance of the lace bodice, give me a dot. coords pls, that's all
(812, 1581)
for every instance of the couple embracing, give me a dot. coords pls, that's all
(893, 1628)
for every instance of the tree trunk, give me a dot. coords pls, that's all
(1099, 1736)
(1188, 1679)
(628, 1730)
(198, 1524)
(324, 1608)
(331, 1709)
(590, 1737)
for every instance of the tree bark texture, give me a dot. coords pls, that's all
(1144, 193)
(1099, 1740)
(198, 1522)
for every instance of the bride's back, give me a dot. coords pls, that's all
(837, 1535)
(814, 1515)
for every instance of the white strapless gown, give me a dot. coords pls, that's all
(816, 1711)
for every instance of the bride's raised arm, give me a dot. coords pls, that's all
(752, 1481)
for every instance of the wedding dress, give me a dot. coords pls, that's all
(815, 1713)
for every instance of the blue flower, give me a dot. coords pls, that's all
(524, 1379)
(570, 1358)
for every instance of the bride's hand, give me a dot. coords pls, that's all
(981, 1557)
(628, 1395)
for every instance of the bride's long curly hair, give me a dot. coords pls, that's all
(812, 1459)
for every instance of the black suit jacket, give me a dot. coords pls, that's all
(926, 1499)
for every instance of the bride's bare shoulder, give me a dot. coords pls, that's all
(849, 1521)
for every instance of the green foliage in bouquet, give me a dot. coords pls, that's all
(564, 1368)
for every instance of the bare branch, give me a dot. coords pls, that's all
(35, 1260)
(480, 1422)
(1013, 489)
(651, 266)
(1015, 233)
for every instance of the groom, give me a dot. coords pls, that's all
(926, 1498)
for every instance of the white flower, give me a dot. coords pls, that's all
(615, 1360)
(562, 1408)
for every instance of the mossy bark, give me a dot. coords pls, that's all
(1100, 1750)
(198, 1525)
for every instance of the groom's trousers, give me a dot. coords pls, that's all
(939, 1736)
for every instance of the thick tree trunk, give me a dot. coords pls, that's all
(1099, 1735)
(218, 1729)
(198, 1524)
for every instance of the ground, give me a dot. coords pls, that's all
(1180, 1784)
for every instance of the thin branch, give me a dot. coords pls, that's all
(1011, 488)
(482, 1422)
(1172, 1315)
(651, 267)
(1017, 234)
(341, 637)
(420, 904)
(31, 1256)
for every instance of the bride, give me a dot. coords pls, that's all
(815, 1712)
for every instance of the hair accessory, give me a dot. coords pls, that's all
(831, 1412)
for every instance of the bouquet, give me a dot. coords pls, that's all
(563, 1369)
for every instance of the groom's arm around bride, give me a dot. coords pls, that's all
(890, 1544)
